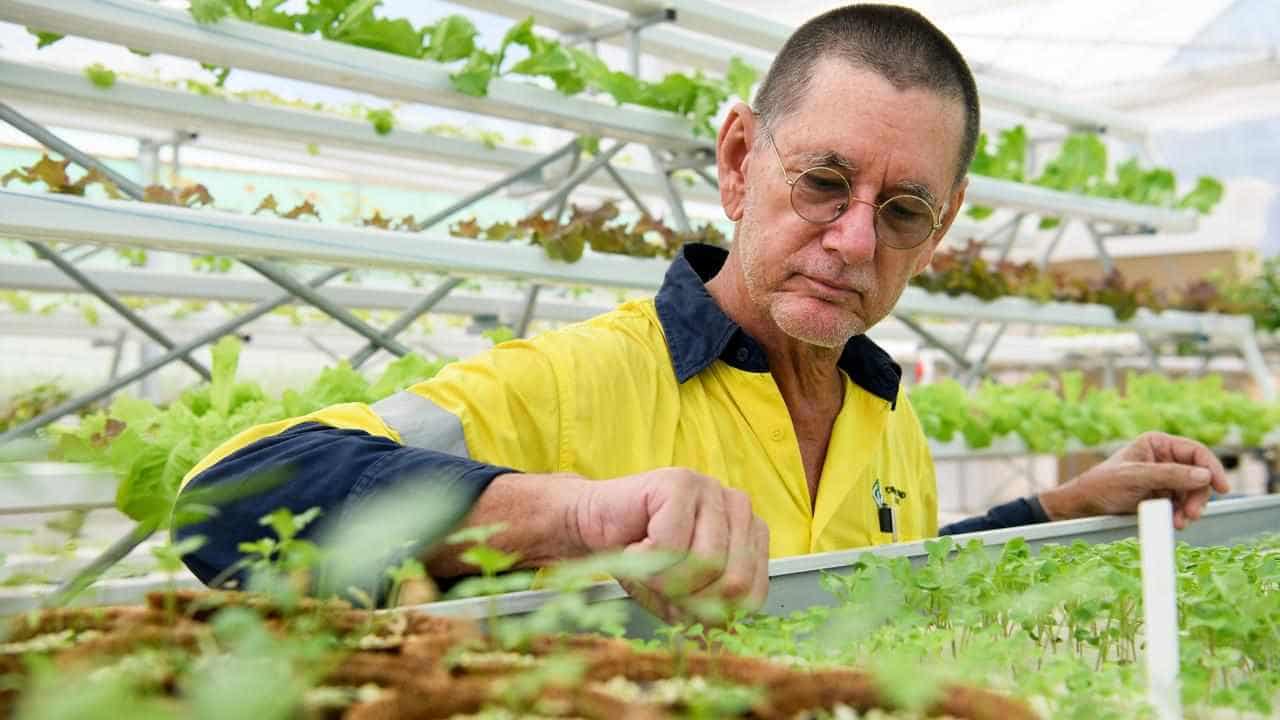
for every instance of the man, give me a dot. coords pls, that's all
(742, 413)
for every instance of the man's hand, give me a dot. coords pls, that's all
(725, 546)
(1154, 465)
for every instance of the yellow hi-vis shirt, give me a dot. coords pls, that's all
(666, 382)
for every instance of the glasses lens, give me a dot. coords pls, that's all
(904, 222)
(820, 194)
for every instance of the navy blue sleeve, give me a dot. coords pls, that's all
(1023, 511)
(324, 467)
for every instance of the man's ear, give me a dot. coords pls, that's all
(733, 146)
(953, 209)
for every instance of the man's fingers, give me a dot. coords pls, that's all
(650, 600)
(737, 575)
(672, 508)
(1173, 477)
(760, 543)
(1189, 452)
(711, 545)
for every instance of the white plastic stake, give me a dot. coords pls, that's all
(1160, 607)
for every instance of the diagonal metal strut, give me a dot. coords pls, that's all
(105, 296)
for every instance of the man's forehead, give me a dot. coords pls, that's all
(848, 110)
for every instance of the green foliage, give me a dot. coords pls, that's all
(1063, 627)
(452, 40)
(499, 335)
(1046, 417)
(100, 75)
(383, 120)
(1081, 167)
(220, 73)
(741, 77)
(45, 39)
(153, 448)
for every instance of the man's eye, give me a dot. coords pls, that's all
(825, 182)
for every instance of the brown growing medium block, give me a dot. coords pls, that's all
(29, 625)
(408, 662)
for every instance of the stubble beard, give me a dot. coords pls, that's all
(831, 331)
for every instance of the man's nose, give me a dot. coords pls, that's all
(853, 234)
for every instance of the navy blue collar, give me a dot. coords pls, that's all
(698, 331)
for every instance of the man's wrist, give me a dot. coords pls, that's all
(545, 513)
(1059, 503)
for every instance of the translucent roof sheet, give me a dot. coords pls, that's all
(1084, 44)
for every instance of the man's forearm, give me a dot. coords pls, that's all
(539, 517)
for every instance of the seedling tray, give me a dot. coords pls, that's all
(795, 581)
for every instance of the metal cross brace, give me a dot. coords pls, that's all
(134, 190)
(621, 26)
(627, 189)
(406, 319)
(277, 275)
(209, 336)
(925, 334)
(86, 282)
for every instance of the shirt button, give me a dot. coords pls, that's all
(777, 434)
(743, 354)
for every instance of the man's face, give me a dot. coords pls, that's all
(823, 284)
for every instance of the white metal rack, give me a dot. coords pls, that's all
(53, 217)
(68, 99)
(247, 46)
(156, 107)
(144, 282)
(243, 45)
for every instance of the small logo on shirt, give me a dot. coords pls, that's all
(887, 495)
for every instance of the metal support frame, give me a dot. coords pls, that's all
(706, 177)
(205, 338)
(561, 193)
(1258, 366)
(93, 288)
(497, 185)
(407, 317)
(1010, 230)
(1099, 242)
(627, 190)
(674, 202)
(978, 368)
(928, 336)
(526, 317)
(627, 25)
(575, 160)
(135, 191)
(324, 349)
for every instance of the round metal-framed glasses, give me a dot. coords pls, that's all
(820, 195)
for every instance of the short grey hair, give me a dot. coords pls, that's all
(895, 42)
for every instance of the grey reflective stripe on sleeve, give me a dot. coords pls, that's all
(423, 424)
